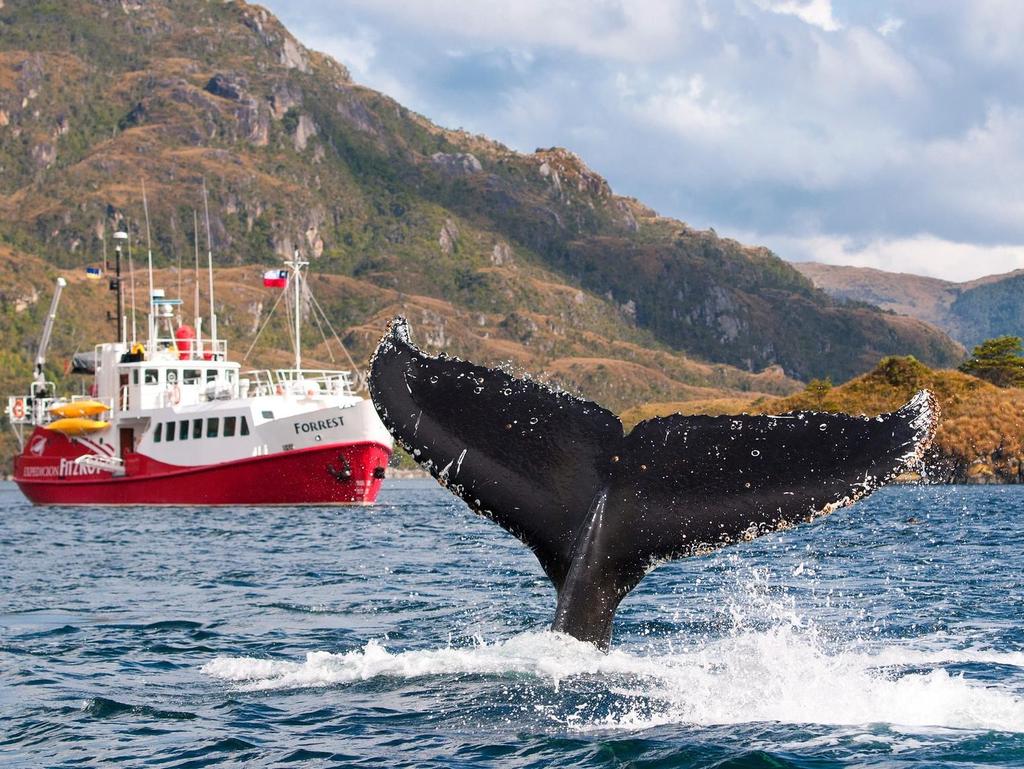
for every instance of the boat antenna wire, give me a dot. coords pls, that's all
(270, 315)
(150, 325)
(316, 319)
(209, 265)
(344, 349)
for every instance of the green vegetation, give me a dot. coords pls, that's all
(997, 361)
(818, 389)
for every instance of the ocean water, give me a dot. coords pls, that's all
(413, 634)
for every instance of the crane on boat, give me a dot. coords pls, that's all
(39, 384)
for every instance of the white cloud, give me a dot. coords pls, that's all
(817, 13)
(994, 30)
(920, 255)
(890, 26)
(632, 30)
(679, 103)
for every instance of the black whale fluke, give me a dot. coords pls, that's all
(599, 508)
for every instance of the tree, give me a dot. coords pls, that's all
(998, 361)
(819, 389)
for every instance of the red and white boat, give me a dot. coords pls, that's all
(173, 421)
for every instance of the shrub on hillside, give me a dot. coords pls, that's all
(998, 361)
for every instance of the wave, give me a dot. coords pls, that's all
(782, 674)
(102, 707)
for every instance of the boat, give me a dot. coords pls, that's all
(171, 420)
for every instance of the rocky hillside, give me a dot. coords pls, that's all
(969, 312)
(495, 254)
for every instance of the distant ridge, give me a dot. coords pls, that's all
(970, 312)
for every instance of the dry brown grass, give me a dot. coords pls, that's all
(980, 435)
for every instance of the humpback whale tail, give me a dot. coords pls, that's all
(600, 508)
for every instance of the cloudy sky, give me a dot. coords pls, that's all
(882, 133)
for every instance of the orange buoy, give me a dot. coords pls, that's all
(185, 340)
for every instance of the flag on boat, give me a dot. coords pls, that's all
(93, 273)
(275, 279)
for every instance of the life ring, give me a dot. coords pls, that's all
(279, 390)
(175, 395)
(311, 393)
(18, 408)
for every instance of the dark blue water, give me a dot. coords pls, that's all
(410, 634)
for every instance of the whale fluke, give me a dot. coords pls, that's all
(599, 508)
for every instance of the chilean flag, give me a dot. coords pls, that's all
(275, 279)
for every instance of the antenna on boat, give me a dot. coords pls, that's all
(177, 253)
(131, 275)
(297, 263)
(149, 256)
(195, 300)
(119, 237)
(209, 266)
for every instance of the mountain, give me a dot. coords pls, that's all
(970, 312)
(493, 254)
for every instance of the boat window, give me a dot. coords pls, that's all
(211, 374)
(135, 376)
(172, 376)
(158, 433)
(182, 429)
(212, 425)
(170, 431)
(268, 414)
(231, 376)
(229, 426)
(192, 376)
(197, 428)
(152, 376)
(244, 427)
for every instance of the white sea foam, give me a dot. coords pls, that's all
(782, 674)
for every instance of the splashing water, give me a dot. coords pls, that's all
(777, 675)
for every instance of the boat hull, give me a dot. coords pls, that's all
(311, 476)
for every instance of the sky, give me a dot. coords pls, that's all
(867, 132)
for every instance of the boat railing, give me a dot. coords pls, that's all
(159, 347)
(35, 410)
(302, 383)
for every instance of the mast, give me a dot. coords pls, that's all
(209, 267)
(297, 263)
(131, 275)
(195, 300)
(115, 285)
(151, 321)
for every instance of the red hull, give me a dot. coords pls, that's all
(300, 477)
